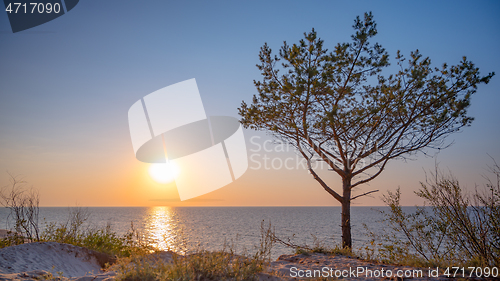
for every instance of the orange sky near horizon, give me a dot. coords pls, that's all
(121, 180)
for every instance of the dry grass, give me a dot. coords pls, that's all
(201, 264)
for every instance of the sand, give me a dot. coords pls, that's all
(342, 267)
(37, 258)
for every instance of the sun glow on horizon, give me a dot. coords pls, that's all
(164, 172)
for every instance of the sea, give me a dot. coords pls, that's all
(185, 229)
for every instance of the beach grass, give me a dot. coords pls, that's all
(103, 240)
(202, 265)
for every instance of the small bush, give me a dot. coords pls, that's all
(12, 239)
(458, 229)
(103, 240)
(23, 204)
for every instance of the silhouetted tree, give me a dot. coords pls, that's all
(339, 107)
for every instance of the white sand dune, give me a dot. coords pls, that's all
(54, 257)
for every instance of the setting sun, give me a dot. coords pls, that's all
(163, 172)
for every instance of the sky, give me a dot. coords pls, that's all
(66, 87)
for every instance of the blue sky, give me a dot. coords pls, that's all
(66, 86)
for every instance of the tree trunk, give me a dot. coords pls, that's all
(346, 213)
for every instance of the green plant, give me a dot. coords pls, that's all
(101, 239)
(11, 239)
(457, 229)
(47, 276)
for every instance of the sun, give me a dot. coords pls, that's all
(163, 172)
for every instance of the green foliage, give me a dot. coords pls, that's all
(340, 102)
(103, 240)
(459, 229)
(12, 239)
(47, 276)
(100, 239)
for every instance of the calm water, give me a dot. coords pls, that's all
(184, 228)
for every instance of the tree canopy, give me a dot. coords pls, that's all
(341, 107)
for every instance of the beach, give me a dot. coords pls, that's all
(35, 261)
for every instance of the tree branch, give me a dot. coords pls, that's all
(357, 196)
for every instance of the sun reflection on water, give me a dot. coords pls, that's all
(163, 229)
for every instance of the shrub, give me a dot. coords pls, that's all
(103, 239)
(12, 239)
(458, 229)
(23, 203)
